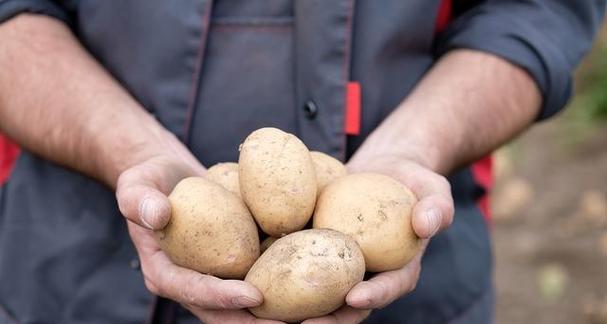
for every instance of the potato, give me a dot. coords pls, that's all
(376, 211)
(327, 169)
(265, 244)
(277, 180)
(306, 274)
(225, 175)
(210, 230)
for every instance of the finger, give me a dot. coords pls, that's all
(385, 287)
(141, 191)
(164, 278)
(434, 209)
(193, 288)
(432, 214)
(344, 314)
(143, 205)
(228, 317)
(143, 239)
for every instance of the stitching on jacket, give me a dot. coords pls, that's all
(253, 21)
(252, 28)
(206, 18)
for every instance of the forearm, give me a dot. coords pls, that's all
(468, 104)
(58, 102)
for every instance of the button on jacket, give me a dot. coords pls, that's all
(212, 72)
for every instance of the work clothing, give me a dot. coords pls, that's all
(212, 72)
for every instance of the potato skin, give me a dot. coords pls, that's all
(226, 175)
(210, 231)
(376, 211)
(306, 274)
(277, 180)
(327, 169)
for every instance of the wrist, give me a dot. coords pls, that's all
(121, 144)
(403, 137)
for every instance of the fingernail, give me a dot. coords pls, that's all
(244, 301)
(433, 216)
(148, 213)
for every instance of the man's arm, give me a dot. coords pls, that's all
(468, 104)
(56, 101)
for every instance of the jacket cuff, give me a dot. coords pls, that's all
(11, 8)
(516, 41)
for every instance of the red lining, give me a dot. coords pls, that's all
(444, 16)
(8, 155)
(482, 171)
(352, 124)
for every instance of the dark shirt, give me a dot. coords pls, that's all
(213, 71)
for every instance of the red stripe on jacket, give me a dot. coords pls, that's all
(8, 154)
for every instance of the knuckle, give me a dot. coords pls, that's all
(186, 295)
(389, 293)
(222, 301)
(151, 287)
(125, 177)
(122, 199)
(412, 287)
(189, 292)
(451, 210)
(414, 280)
(200, 293)
(126, 201)
(444, 183)
(165, 283)
(448, 213)
(449, 218)
(122, 208)
(405, 287)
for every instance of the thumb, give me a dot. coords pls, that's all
(143, 205)
(432, 214)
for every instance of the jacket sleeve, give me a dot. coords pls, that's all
(11, 8)
(548, 38)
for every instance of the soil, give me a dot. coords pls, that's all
(550, 226)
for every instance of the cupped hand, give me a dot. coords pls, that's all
(142, 198)
(432, 213)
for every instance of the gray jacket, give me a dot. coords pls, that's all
(213, 71)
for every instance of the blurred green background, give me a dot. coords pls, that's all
(550, 210)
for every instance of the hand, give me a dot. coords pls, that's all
(141, 194)
(432, 213)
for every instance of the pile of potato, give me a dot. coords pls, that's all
(359, 222)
